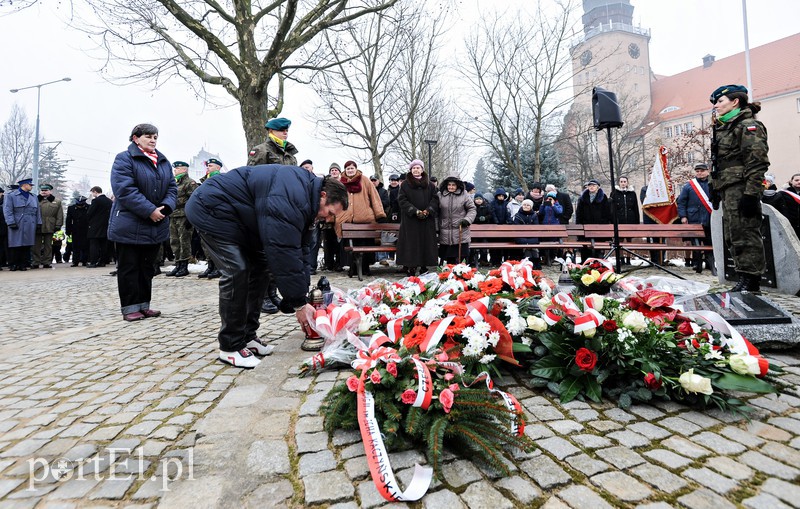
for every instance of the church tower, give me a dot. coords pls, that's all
(612, 53)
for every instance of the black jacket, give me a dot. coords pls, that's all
(627, 206)
(593, 212)
(98, 214)
(566, 203)
(267, 207)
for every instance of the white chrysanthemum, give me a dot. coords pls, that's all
(429, 313)
(482, 328)
(382, 310)
(477, 278)
(478, 342)
(493, 338)
(367, 322)
(516, 325)
(461, 269)
(406, 310)
(486, 359)
(408, 293)
(472, 351)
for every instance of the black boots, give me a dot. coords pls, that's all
(211, 271)
(748, 283)
(181, 269)
(271, 301)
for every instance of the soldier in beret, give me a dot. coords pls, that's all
(276, 150)
(52, 220)
(742, 161)
(21, 211)
(180, 230)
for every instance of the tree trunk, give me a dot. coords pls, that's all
(253, 107)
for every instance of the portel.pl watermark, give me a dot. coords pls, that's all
(119, 463)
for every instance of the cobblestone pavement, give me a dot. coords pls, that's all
(96, 412)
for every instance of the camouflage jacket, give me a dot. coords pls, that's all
(186, 187)
(270, 153)
(742, 153)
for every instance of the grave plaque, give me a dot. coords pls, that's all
(739, 308)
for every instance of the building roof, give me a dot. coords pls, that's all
(775, 70)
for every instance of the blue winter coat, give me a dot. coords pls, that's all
(267, 207)
(501, 214)
(139, 188)
(523, 217)
(550, 214)
(690, 206)
(22, 211)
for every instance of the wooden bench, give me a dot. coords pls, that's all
(484, 236)
(666, 237)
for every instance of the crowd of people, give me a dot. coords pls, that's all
(261, 227)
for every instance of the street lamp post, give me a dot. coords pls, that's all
(430, 144)
(36, 139)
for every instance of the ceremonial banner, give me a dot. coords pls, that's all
(659, 202)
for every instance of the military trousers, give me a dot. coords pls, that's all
(42, 248)
(742, 234)
(180, 238)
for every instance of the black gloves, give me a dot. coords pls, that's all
(465, 223)
(716, 198)
(749, 206)
(382, 220)
(287, 305)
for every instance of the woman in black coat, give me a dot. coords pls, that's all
(419, 204)
(594, 207)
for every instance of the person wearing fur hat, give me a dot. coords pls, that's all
(21, 212)
(456, 213)
(742, 161)
(276, 149)
(419, 205)
(365, 207)
(483, 215)
(52, 220)
(593, 208)
(527, 216)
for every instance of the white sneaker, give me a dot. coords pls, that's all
(258, 347)
(244, 358)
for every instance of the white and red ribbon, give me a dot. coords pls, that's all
(518, 423)
(731, 338)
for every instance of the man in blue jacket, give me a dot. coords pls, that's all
(694, 207)
(255, 220)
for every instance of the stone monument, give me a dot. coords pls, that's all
(783, 256)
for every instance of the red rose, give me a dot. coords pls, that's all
(446, 398)
(585, 359)
(409, 396)
(610, 325)
(685, 329)
(392, 369)
(352, 383)
(375, 377)
(652, 382)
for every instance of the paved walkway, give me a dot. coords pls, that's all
(96, 412)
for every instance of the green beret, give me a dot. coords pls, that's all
(725, 90)
(180, 164)
(45, 187)
(278, 124)
(214, 161)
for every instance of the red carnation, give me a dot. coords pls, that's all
(585, 359)
(610, 325)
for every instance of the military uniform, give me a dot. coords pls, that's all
(270, 153)
(742, 162)
(180, 232)
(52, 220)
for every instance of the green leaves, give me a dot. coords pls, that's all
(569, 388)
(743, 383)
(550, 367)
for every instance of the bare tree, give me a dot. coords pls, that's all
(243, 46)
(386, 64)
(435, 119)
(521, 74)
(16, 146)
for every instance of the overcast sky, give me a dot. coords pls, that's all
(93, 118)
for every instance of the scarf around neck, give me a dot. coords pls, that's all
(281, 143)
(728, 116)
(353, 184)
